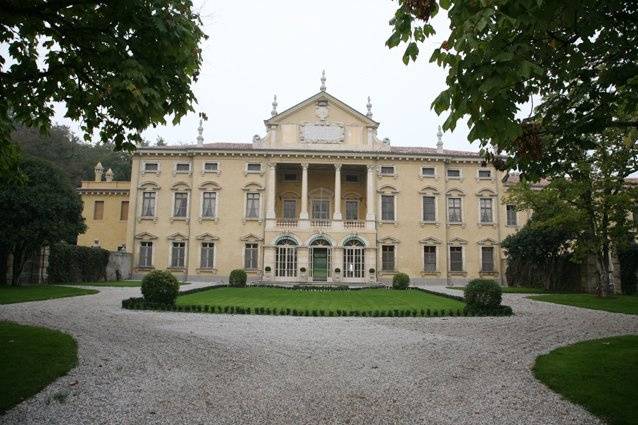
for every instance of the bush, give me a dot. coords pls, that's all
(483, 293)
(74, 264)
(501, 310)
(400, 281)
(160, 287)
(237, 278)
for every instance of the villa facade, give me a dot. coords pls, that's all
(318, 198)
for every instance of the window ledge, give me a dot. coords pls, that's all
(492, 224)
(176, 269)
(492, 273)
(184, 219)
(388, 272)
(512, 226)
(208, 219)
(462, 273)
(144, 268)
(252, 219)
(204, 172)
(150, 172)
(434, 273)
(206, 270)
(430, 223)
(461, 224)
(387, 221)
(153, 219)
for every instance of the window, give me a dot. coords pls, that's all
(148, 204)
(290, 209)
(454, 210)
(352, 209)
(387, 170)
(320, 209)
(485, 174)
(286, 258)
(427, 171)
(454, 173)
(429, 259)
(387, 207)
(511, 215)
(124, 210)
(486, 210)
(182, 167)
(387, 257)
(253, 167)
(151, 167)
(251, 256)
(207, 260)
(352, 178)
(211, 167)
(456, 259)
(353, 259)
(429, 210)
(146, 254)
(290, 177)
(252, 205)
(98, 210)
(178, 251)
(487, 259)
(181, 201)
(209, 204)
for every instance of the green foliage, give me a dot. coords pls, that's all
(21, 294)
(43, 211)
(627, 304)
(628, 269)
(160, 287)
(482, 294)
(400, 281)
(578, 57)
(119, 67)
(237, 278)
(72, 263)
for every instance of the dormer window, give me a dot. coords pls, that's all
(427, 171)
(182, 167)
(485, 174)
(211, 167)
(387, 170)
(151, 167)
(454, 173)
(253, 167)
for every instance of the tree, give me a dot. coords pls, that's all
(119, 66)
(579, 57)
(593, 201)
(45, 210)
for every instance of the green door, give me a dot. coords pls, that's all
(320, 264)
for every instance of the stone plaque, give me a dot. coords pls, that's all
(322, 133)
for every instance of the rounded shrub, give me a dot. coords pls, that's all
(237, 278)
(400, 281)
(483, 294)
(160, 287)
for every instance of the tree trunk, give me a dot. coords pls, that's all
(19, 259)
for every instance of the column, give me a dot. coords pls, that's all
(304, 192)
(371, 199)
(270, 190)
(337, 212)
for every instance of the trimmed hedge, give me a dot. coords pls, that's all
(483, 298)
(160, 287)
(400, 281)
(237, 278)
(75, 264)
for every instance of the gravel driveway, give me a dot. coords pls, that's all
(174, 368)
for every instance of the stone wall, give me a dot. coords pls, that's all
(119, 266)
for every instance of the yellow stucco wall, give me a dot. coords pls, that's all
(110, 231)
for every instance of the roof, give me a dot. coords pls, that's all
(400, 150)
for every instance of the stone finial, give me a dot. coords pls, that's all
(98, 172)
(200, 132)
(323, 81)
(109, 175)
(274, 106)
(369, 106)
(439, 143)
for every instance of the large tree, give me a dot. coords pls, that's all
(579, 59)
(119, 66)
(45, 210)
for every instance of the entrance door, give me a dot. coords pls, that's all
(320, 264)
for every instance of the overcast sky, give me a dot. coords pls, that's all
(260, 48)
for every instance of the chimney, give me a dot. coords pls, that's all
(98, 172)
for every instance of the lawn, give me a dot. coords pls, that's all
(615, 303)
(112, 283)
(510, 289)
(600, 375)
(328, 301)
(31, 358)
(21, 294)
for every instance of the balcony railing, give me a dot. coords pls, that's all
(320, 222)
(287, 222)
(358, 224)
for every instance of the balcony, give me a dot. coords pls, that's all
(320, 222)
(354, 224)
(287, 222)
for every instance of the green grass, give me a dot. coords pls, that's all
(112, 283)
(328, 300)
(510, 289)
(31, 358)
(614, 303)
(600, 375)
(21, 294)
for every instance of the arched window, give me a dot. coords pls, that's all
(286, 258)
(320, 259)
(354, 259)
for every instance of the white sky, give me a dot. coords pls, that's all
(258, 48)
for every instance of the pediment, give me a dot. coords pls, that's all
(253, 187)
(177, 237)
(145, 236)
(250, 237)
(429, 190)
(488, 242)
(457, 241)
(388, 240)
(209, 185)
(430, 241)
(486, 192)
(206, 237)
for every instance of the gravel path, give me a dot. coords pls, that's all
(174, 368)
